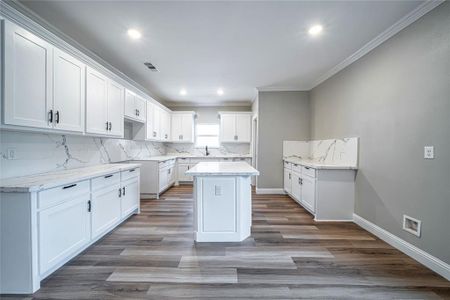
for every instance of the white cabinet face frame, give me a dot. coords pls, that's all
(68, 92)
(27, 78)
(130, 105)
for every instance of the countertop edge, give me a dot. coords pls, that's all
(52, 183)
(320, 167)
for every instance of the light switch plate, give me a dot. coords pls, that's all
(428, 152)
(11, 153)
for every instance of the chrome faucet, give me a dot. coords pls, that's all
(206, 151)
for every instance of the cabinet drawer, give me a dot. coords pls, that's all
(104, 181)
(225, 159)
(287, 165)
(308, 171)
(125, 175)
(297, 168)
(166, 163)
(52, 196)
(196, 160)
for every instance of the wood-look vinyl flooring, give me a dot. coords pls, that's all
(288, 256)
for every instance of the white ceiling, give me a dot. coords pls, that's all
(238, 46)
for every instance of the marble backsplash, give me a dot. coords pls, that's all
(332, 151)
(189, 149)
(39, 152)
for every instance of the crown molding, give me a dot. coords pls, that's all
(18, 13)
(173, 104)
(407, 20)
(282, 89)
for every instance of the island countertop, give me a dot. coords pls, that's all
(222, 169)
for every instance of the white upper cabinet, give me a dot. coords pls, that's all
(182, 127)
(96, 102)
(140, 105)
(157, 123)
(227, 128)
(165, 125)
(28, 78)
(104, 105)
(115, 109)
(235, 127)
(68, 92)
(150, 132)
(134, 107)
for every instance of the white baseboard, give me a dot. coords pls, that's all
(273, 191)
(421, 256)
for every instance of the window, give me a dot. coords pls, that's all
(207, 135)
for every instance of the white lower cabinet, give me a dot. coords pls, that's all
(308, 194)
(130, 196)
(287, 180)
(105, 210)
(63, 230)
(329, 194)
(157, 176)
(181, 173)
(51, 226)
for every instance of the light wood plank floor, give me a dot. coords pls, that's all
(288, 256)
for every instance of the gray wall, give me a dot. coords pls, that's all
(208, 114)
(397, 100)
(281, 116)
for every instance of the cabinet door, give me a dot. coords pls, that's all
(287, 181)
(149, 132)
(228, 128)
(157, 123)
(171, 175)
(63, 230)
(296, 187)
(96, 102)
(243, 128)
(177, 127)
(130, 197)
(219, 204)
(163, 179)
(188, 128)
(28, 78)
(165, 125)
(115, 109)
(130, 106)
(182, 173)
(140, 108)
(309, 193)
(105, 210)
(68, 92)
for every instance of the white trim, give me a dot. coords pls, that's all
(268, 191)
(283, 89)
(421, 256)
(407, 20)
(174, 104)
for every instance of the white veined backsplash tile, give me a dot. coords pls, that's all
(331, 151)
(38, 152)
(189, 149)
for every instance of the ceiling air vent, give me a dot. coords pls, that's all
(151, 67)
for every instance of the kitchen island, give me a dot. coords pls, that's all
(222, 201)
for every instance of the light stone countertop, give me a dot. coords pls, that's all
(38, 182)
(318, 165)
(222, 169)
(175, 156)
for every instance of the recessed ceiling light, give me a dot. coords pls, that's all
(220, 92)
(315, 30)
(183, 92)
(134, 34)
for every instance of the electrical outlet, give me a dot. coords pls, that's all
(11, 153)
(428, 152)
(412, 225)
(218, 190)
